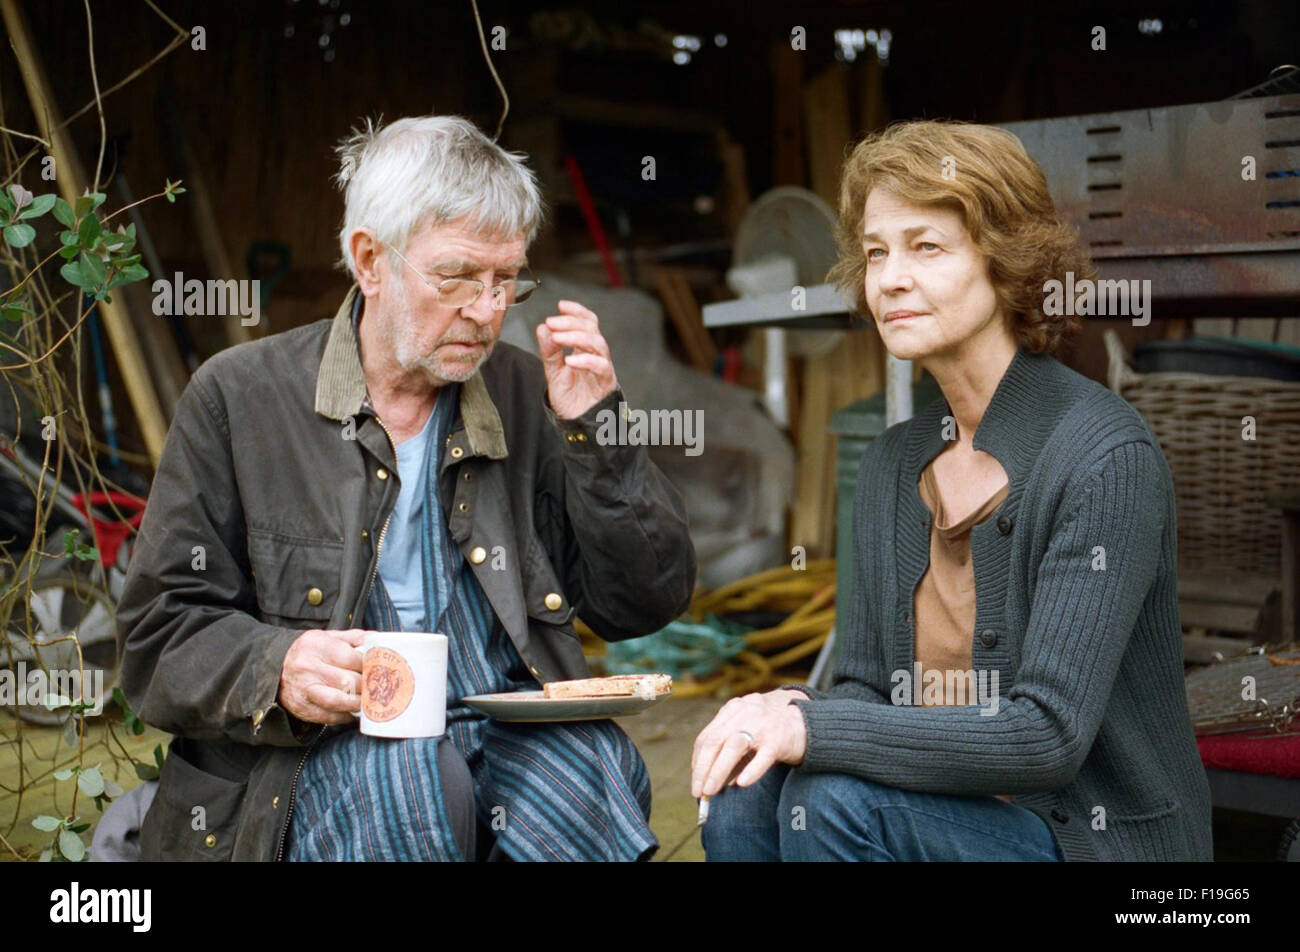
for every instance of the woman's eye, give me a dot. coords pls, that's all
(928, 245)
(871, 253)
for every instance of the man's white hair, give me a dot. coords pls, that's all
(430, 170)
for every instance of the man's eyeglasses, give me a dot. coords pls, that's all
(463, 292)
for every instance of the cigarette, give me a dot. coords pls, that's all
(736, 772)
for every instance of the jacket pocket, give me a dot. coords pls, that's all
(542, 586)
(1158, 811)
(194, 815)
(297, 580)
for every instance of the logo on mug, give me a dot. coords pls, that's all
(387, 684)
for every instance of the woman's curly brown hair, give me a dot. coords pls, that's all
(986, 175)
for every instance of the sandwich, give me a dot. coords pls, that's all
(619, 685)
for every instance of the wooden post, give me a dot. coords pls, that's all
(72, 181)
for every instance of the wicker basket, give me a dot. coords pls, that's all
(1220, 479)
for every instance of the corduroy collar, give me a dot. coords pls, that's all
(1014, 427)
(341, 386)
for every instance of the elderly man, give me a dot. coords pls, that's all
(398, 468)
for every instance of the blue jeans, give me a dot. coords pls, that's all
(793, 816)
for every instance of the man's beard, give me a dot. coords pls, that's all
(445, 368)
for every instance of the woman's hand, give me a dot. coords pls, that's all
(767, 724)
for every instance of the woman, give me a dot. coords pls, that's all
(1010, 682)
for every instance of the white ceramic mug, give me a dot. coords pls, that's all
(403, 684)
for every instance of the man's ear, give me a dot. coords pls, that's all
(366, 253)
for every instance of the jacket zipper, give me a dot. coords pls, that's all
(379, 543)
(293, 787)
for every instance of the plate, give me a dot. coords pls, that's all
(522, 706)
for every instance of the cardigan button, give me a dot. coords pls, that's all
(1004, 524)
(1060, 816)
(988, 638)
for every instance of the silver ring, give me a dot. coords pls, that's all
(749, 738)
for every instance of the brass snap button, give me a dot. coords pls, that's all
(381, 473)
(210, 840)
(553, 601)
(457, 452)
(315, 596)
(275, 803)
(365, 533)
(477, 555)
(258, 717)
(462, 507)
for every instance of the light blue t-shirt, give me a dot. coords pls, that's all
(400, 558)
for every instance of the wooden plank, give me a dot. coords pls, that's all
(827, 130)
(735, 183)
(787, 115)
(683, 310)
(72, 182)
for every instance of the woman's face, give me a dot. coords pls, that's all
(927, 283)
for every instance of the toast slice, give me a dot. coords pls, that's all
(619, 685)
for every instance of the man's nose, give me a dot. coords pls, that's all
(481, 311)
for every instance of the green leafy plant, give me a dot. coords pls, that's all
(58, 253)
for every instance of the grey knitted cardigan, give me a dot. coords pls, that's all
(1092, 731)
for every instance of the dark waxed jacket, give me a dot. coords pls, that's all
(264, 520)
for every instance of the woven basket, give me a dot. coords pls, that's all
(1220, 479)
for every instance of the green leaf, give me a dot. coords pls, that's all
(12, 313)
(133, 272)
(80, 828)
(71, 847)
(92, 269)
(146, 771)
(46, 823)
(6, 203)
(63, 213)
(72, 274)
(19, 236)
(65, 773)
(137, 727)
(158, 755)
(88, 231)
(91, 782)
(39, 206)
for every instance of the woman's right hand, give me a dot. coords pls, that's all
(767, 724)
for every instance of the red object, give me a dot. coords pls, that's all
(1257, 753)
(731, 364)
(594, 227)
(110, 534)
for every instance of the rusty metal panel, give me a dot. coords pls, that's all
(1169, 181)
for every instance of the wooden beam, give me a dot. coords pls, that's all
(72, 181)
